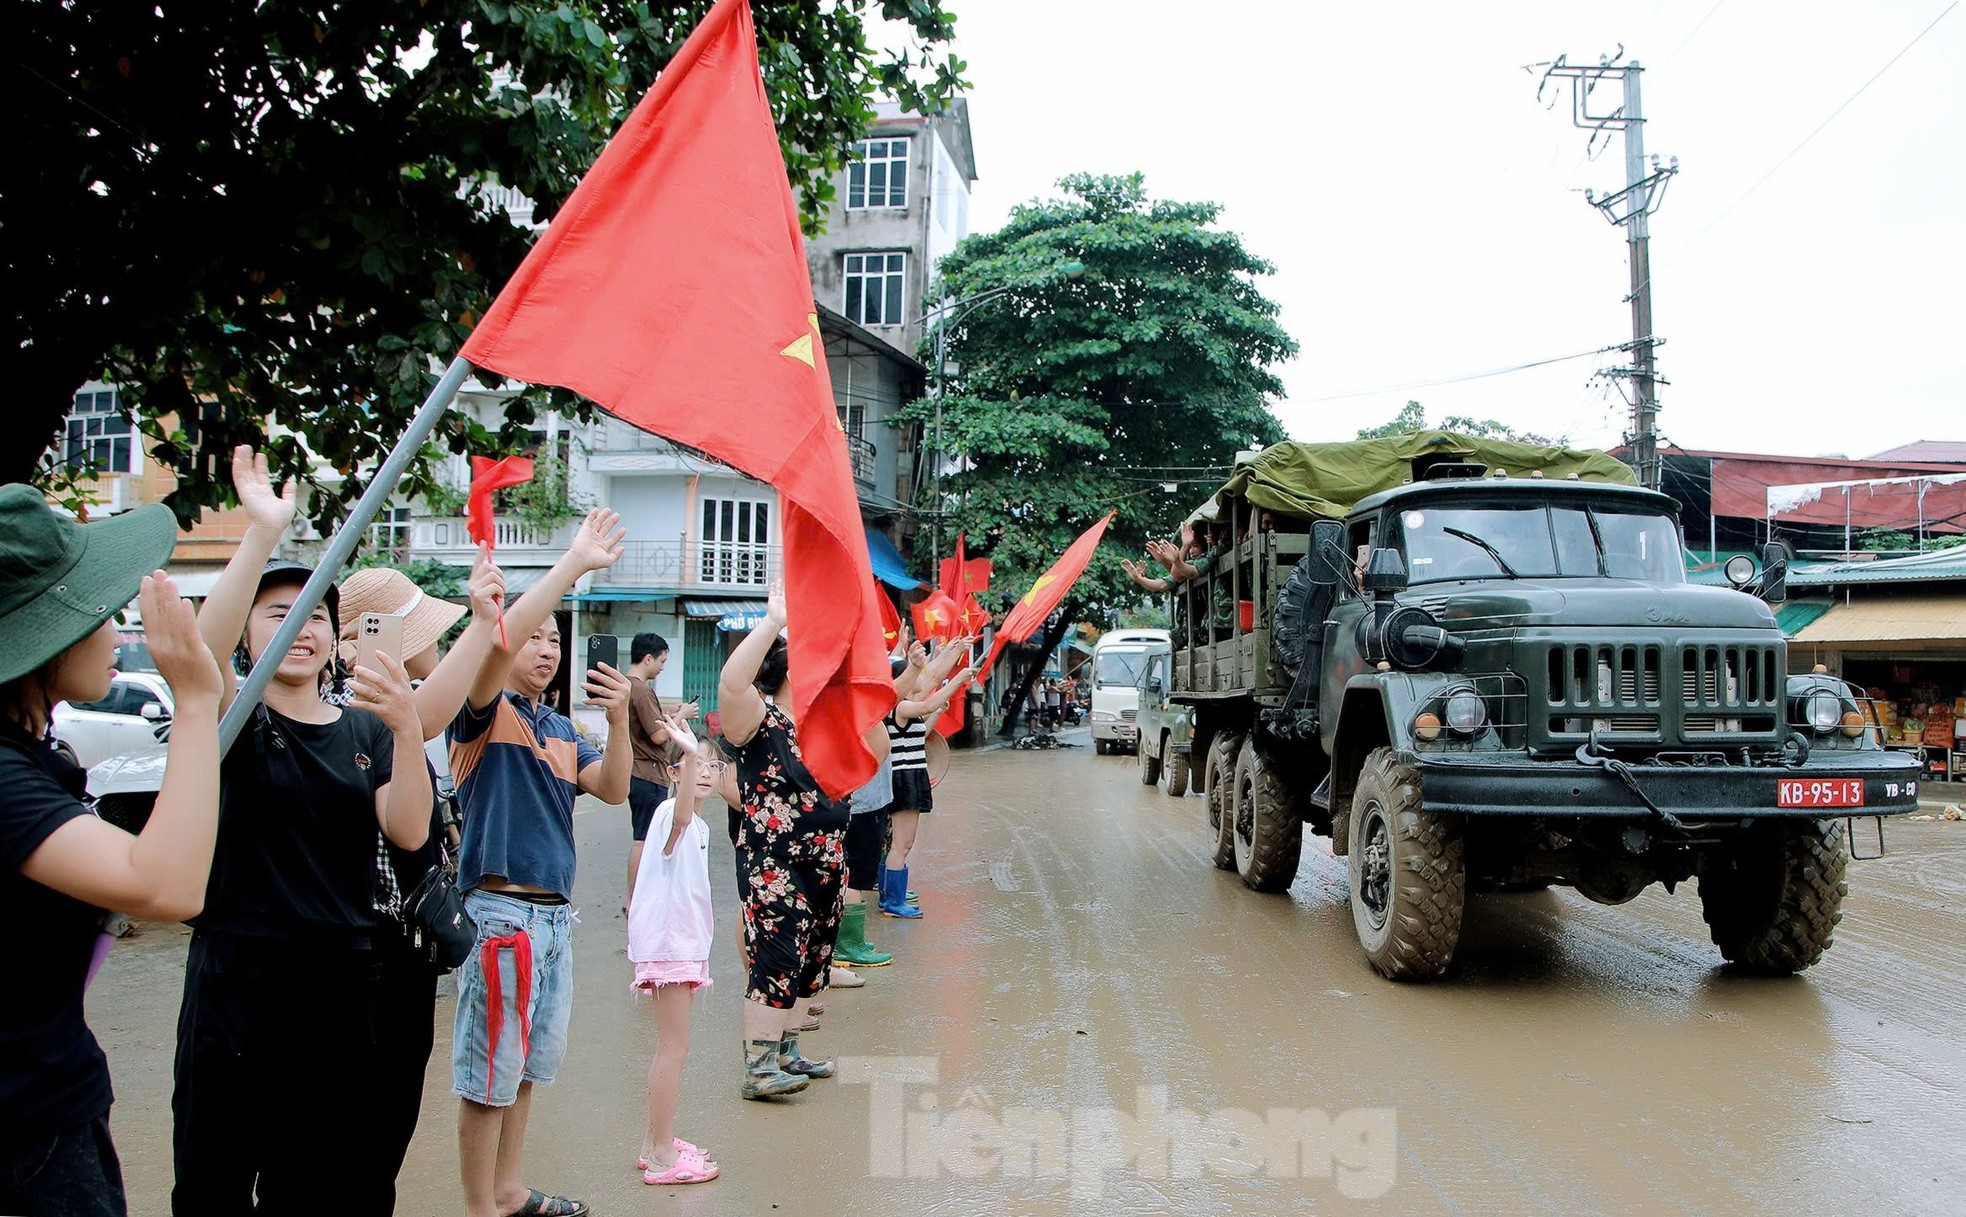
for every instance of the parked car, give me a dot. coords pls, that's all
(125, 721)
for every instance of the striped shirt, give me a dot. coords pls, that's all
(517, 765)
(907, 747)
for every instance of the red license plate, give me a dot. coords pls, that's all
(1821, 792)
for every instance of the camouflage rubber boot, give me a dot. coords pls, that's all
(763, 1079)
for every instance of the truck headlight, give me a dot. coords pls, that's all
(1823, 710)
(1466, 714)
(1104, 716)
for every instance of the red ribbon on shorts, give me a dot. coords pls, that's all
(520, 944)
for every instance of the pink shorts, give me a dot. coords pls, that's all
(692, 972)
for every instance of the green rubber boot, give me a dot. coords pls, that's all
(851, 947)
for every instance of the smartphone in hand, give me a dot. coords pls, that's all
(603, 649)
(378, 632)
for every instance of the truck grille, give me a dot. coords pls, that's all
(1129, 715)
(1658, 692)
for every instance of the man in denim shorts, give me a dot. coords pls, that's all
(519, 766)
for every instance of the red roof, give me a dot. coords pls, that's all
(1944, 451)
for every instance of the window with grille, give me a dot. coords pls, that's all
(878, 174)
(734, 547)
(874, 287)
(390, 533)
(99, 433)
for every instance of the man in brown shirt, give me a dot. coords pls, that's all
(654, 770)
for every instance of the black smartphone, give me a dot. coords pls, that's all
(603, 649)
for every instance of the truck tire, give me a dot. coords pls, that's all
(1221, 792)
(1269, 829)
(1177, 773)
(1149, 764)
(1408, 874)
(1773, 900)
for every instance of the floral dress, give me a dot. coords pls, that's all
(790, 854)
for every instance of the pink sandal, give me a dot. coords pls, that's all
(690, 1167)
(682, 1147)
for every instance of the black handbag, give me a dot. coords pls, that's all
(434, 916)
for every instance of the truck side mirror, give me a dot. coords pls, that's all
(1774, 573)
(1329, 561)
(1153, 684)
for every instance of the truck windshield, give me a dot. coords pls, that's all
(1117, 667)
(1539, 542)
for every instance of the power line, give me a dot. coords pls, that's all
(1700, 25)
(1729, 209)
(1449, 380)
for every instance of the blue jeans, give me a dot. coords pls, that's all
(72, 1173)
(514, 998)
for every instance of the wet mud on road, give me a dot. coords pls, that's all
(1091, 1018)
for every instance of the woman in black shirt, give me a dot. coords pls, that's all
(276, 1032)
(60, 585)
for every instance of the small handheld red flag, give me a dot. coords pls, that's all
(936, 617)
(488, 476)
(890, 619)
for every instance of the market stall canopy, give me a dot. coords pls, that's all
(1327, 479)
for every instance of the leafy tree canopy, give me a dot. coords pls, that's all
(1087, 394)
(1413, 417)
(244, 211)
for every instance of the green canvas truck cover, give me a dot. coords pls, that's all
(1327, 479)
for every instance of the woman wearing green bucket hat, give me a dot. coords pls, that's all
(61, 583)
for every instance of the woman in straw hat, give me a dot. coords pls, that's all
(60, 585)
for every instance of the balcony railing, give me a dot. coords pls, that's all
(683, 563)
(447, 539)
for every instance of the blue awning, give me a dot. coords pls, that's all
(889, 567)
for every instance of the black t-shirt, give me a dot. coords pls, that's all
(53, 1075)
(297, 830)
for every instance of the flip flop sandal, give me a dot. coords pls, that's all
(811, 1024)
(682, 1147)
(689, 1167)
(815, 1009)
(539, 1204)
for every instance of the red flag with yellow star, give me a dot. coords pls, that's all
(936, 616)
(672, 289)
(1047, 592)
(890, 620)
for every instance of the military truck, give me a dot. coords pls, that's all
(1166, 730)
(1478, 666)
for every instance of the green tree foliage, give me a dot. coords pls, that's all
(244, 211)
(1413, 417)
(1082, 395)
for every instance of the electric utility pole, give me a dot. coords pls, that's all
(1629, 208)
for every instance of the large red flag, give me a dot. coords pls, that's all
(672, 289)
(1047, 592)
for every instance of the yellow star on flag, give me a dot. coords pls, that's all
(1031, 597)
(801, 347)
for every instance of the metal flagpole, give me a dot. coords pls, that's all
(341, 548)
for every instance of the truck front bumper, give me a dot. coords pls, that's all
(1474, 785)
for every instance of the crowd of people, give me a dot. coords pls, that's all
(320, 839)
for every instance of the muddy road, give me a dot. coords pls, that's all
(1091, 1018)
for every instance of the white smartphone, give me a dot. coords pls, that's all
(378, 632)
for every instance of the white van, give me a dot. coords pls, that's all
(1117, 661)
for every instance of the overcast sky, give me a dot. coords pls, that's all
(1426, 218)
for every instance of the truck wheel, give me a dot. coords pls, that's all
(1772, 902)
(1408, 877)
(1269, 832)
(1149, 764)
(1220, 773)
(1099, 746)
(1177, 774)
